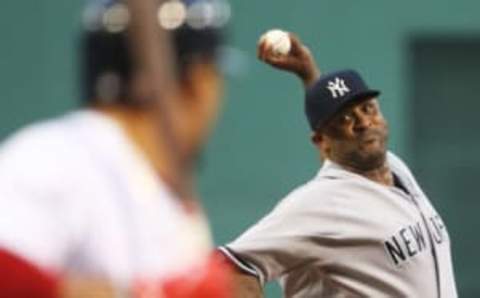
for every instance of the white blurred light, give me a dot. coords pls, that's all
(172, 15)
(116, 18)
(223, 13)
(201, 15)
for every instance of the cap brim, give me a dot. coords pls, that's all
(367, 94)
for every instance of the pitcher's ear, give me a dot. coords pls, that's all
(316, 138)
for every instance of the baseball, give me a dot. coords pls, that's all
(278, 41)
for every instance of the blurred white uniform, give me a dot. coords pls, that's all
(343, 235)
(77, 196)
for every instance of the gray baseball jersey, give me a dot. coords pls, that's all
(343, 235)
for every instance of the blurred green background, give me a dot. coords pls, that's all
(424, 55)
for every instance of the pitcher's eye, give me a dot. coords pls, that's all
(369, 108)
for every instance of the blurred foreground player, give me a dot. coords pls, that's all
(87, 207)
(362, 227)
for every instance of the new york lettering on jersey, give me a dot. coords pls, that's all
(413, 239)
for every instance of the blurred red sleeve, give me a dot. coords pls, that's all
(212, 281)
(21, 279)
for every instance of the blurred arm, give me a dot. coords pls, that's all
(21, 278)
(298, 61)
(245, 279)
(246, 285)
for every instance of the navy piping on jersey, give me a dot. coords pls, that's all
(242, 265)
(399, 184)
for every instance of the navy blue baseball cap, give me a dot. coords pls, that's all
(331, 93)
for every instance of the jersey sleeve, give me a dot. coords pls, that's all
(285, 238)
(36, 218)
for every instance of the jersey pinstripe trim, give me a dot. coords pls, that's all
(244, 266)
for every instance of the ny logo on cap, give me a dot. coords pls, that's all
(338, 88)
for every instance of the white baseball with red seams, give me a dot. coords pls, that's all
(278, 40)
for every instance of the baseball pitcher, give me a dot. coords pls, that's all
(362, 226)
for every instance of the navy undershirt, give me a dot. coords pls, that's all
(398, 184)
